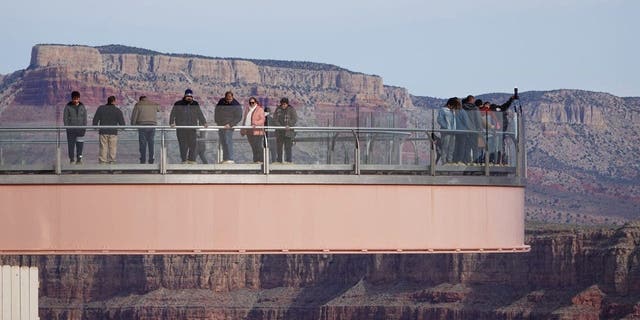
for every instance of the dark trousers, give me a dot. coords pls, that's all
(146, 140)
(75, 143)
(462, 151)
(226, 141)
(287, 143)
(256, 147)
(187, 143)
(202, 151)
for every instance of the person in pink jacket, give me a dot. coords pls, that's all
(254, 117)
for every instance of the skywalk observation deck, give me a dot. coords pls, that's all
(350, 190)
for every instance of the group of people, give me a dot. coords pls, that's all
(471, 126)
(185, 112)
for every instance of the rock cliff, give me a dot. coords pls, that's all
(569, 274)
(55, 70)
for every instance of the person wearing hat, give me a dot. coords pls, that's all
(187, 112)
(285, 116)
(228, 114)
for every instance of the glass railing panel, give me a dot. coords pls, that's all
(493, 138)
(24, 149)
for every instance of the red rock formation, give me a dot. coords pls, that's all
(590, 274)
(55, 70)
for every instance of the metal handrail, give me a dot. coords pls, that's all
(355, 132)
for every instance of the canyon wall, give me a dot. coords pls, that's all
(569, 274)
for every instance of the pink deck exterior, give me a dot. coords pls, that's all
(248, 218)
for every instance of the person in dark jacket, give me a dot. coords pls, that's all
(502, 111)
(462, 150)
(475, 140)
(227, 114)
(108, 115)
(75, 114)
(285, 116)
(187, 112)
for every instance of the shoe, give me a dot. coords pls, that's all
(72, 162)
(102, 162)
(151, 161)
(228, 162)
(143, 161)
(185, 162)
(79, 161)
(191, 162)
(112, 162)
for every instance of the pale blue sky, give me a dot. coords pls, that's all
(432, 48)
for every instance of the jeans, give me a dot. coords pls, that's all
(448, 147)
(226, 141)
(462, 151)
(75, 141)
(287, 143)
(256, 147)
(202, 151)
(146, 140)
(187, 144)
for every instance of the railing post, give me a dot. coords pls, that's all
(486, 143)
(265, 153)
(163, 152)
(58, 164)
(219, 155)
(432, 153)
(521, 157)
(333, 147)
(356, 159)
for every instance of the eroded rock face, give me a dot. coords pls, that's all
(74, 58)
(567, 275)
(56, 70)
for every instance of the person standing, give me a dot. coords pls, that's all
(285, 116)
(462, 151)
(475, 140)
(187, 112)
(503, 114)
(75, 114)
(227, 114)
(108, 115)
(447, 122)
(254, 117)
(145, 114)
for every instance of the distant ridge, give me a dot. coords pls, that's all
(314, 66)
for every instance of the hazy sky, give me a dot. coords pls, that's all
(432, 48)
